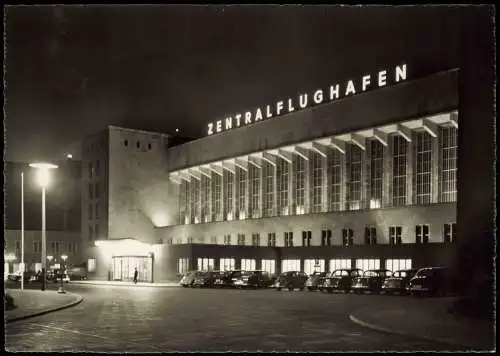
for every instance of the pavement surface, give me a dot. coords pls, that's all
(127, 284)
(132, 319)
(30, 303)
(427, 318)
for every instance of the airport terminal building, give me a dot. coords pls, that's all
(361, 173)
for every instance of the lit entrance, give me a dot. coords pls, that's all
(123, 268)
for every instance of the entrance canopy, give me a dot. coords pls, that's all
(125, 247)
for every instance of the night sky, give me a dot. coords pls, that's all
(72, 70)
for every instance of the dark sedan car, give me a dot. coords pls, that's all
(291, 280)
(315, 281)
(188, 279)
(437, 281)
(227, 279)
(253, 279)
(398, 282)
(371, 281)
(341, 279)
(206, 279)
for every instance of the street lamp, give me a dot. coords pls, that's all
(61, 272)
(43, 178)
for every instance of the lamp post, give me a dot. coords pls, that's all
(43, 178)
(22, 230)
(61, 272)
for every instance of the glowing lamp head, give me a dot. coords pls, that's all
(50, 258)
(43, 176)
(64, 257)
(69, 156)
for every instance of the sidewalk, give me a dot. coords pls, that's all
(426, 318)
(31, 303)
(125, 284)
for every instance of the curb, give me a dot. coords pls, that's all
(422, 337)
(126, 285)
(47, 311)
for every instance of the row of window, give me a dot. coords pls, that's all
(336, 181)
(94, 191)
(53, 247)
(309, 266)
(137, 144)
(422, 235)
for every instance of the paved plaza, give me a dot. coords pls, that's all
(127, 319)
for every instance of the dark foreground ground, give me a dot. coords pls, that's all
(128, 319)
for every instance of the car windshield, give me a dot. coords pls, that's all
(428, 272)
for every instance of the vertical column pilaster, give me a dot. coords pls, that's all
(235, 191)
(276, 205)
(325, 184)
(261, 189)
(209, 197)
(247, 192)
(343, 190)
(387, 174)
(365, 175)
(410, 155)
(435, 164)
(221, 216)
(307, 183)
(292, 193)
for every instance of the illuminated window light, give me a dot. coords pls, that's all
(374, 203)
(242, 215)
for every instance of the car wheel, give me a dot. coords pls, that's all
(278, 289)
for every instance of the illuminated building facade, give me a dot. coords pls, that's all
(368, 180)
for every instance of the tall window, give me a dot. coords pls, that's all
(227, 240)
(256, 239)
(376, 173)
(271, 239)
(448, 169)
(399, 147)
(227, 178)
(195, 201)
(268, 175)
(347, 237)
(227, 264)
(335, 172)
(37, 246)
(205, 264)
(205, 195)
(314, 265)
(290, 265)
(241, 239)
(242, 188)
(90, 170)
(306, 238)
(326, 237)
(370, 235)
(96, 190)
(422, 234)
(269, 266)
(182, 265)
(367, 264)
(216, 192)
(289, 239)
(450, 232)
(282, 167)
(423, 168)
(354, 177)
(317, 182)
(91, 210)
(300, 183)
(395, 235)
(183, 201)
(255, 189)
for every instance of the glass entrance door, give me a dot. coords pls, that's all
(123, 268)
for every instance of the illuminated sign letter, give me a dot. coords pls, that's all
(229, 123)
(219, 126)
(303, 101)
(382, 77)
(290, 106)
(268, 112)
(210, 128)
(350, 88)
(318, 96)
(238, 117)
(334, 91)
(258, 115)
(366, 81)
(248, 117)
(279, 107)
(400, 73)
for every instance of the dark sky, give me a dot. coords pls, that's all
(73, 70)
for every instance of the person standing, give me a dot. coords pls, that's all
(136, 273)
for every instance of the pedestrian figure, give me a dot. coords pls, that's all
(135, 276)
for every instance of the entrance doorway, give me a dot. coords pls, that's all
(123, 268)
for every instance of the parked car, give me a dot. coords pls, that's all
(371, 281)
(77, 273)
(438, 281)
(206, 279)
(188, 279)
(315, 281)
(341, 279)
(227, 279)
(253, 279)
(291, 280)
(398, 282)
